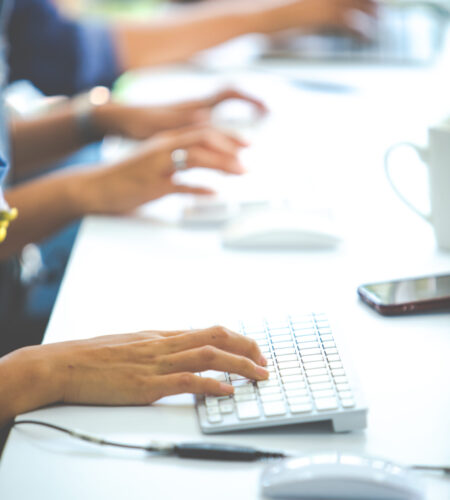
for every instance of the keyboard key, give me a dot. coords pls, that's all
(292, 379)
(274, 332)
(281, 351)
(328, 343)
(327, 338)
(340, 379)
(226, 407)
(317, 379)
(211, 401)
(321, 386)
(290, 371)
(326, 404)
(338, 371)
(281, 345)
(333, 357)
(309, 345)
(286, 357)
(331, 350)
(297, 385)
(235, 376)
(323, 394)
(348, 403)
(241, 383)
(214, 418)
(293, 393)
(274, 409)
(299, 401)
(304, 332)
(310, 352)
(346, 395)
(270, 390)
(343, 387)
(313, 357)
(248, 409)
(305, 338)
(305, 408)
(288, 364)
(244, 389)
(267, 383)
(267, 398)
(281, 338)
(311, 372)
(313, 364)
(244, 397)
(335, 364)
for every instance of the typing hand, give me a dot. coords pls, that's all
(142, 122)
(148, 174)
(143, 367)
(356, 17)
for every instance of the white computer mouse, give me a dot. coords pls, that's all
(340, 476)
(279, 228)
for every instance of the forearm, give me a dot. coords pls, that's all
(195, 28)
(44, 205)
(38, 142)
(28, 380)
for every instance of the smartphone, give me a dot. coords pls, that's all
(410, 295)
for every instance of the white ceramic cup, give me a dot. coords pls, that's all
(436, 157)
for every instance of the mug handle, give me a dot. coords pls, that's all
(423, 155)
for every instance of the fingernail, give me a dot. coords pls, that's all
(262, 360)
(226, 389)
(262, 372)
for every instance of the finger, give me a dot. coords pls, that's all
(219, 337)
(202, 157)
(211, 358)
(180, 383)
(201, 191)
(221, 96)
(207, 136)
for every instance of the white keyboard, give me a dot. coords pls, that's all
(310, 380)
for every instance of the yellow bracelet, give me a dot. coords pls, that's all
(6, 216)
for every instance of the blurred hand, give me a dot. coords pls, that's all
(143, 367)
(142, 122)
(354, 16)
(148, 174)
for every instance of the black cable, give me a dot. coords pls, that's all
(200, 450)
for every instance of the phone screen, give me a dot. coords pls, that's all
(410, 290)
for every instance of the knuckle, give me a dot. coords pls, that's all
(220, 332)
(185, 381)
(208, 353)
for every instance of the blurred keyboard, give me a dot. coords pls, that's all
(310, 380)
(406, 33)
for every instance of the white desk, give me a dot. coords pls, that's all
(131, 274)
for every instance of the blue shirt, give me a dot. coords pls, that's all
(59, 55)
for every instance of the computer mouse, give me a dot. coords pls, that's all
(279, 228)
(236, 113)
(340, 476)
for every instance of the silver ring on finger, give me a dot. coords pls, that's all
(179, 159)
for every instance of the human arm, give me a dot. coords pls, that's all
(52, 201)
(202, 26)
(64, 56)
(38, 142)
(129, 369)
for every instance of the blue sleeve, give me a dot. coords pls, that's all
(57, 54)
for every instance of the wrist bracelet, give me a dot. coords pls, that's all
(84, 106)
(6, 216)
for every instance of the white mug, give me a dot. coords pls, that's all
(436, 157)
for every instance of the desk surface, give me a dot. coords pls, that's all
(128, 274)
